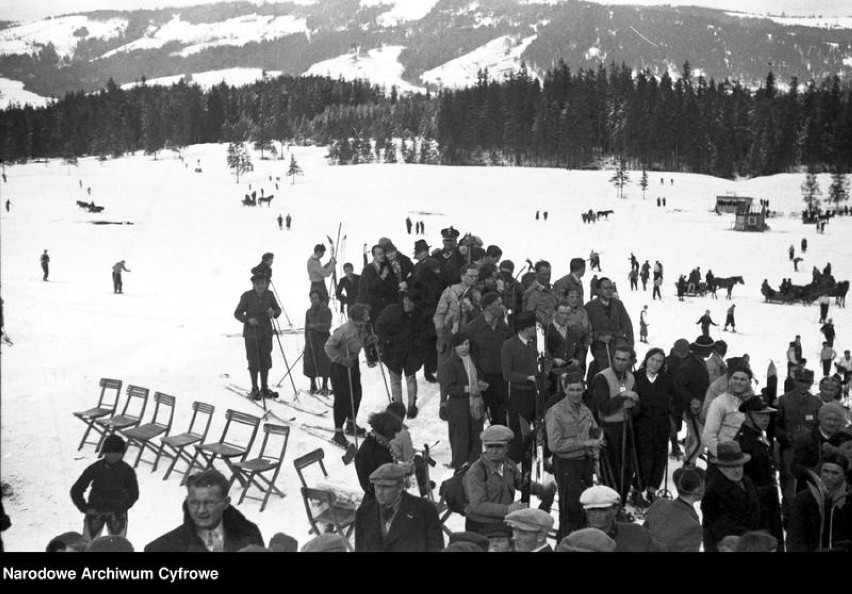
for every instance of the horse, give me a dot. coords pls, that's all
(604, 213)
(249, 201)
(82, 204)
(267, 199)
(839, 293)
(728, 283)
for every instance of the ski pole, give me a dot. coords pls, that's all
(381, 367)
(623, 458)
(257, 351)
(281, 347)
(351, 395)
(280, 303)
(289, 370)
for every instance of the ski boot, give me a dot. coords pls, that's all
(430, 377)
(351, 428)
(267, 393)
(255, 394)
(412, 411)
(340, 440)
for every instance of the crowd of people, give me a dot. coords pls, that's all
(534, 382)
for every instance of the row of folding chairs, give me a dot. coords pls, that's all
(232, 448)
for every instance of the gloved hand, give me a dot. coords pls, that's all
(442, 412)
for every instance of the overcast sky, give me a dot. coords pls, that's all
(22, 10)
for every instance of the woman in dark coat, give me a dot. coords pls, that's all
(760, 469)
(375, 450)
(657, 398)
(461, 402)
(315, 363)
(400, 329)
(379, 285)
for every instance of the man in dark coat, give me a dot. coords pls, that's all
(519, 361)
(425, 290)
(572, 280)
(808, 447)
(347, 288)
(706, 321)
(450, 258)
(611, 326)
(395, 521)
(690, 375)
(45, 262)
(487, 333)
(256, 310)
(565, 344)
(821, 519)
(673, 524)
(730, 506)
(513, 290)
(761, 469)
(210, 524)
(378, 286)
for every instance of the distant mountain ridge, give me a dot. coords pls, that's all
(447, 44)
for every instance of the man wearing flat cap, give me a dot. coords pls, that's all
(602, 505)
(256, 310)
(586, 540)
(730, 506)
(395, 521)
(761, 468)
(491, 482)
(530, 528)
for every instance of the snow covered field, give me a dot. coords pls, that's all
(190, 249)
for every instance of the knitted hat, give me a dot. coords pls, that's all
(259, 276)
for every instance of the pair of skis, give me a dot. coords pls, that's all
(247, 394)
(326, 434)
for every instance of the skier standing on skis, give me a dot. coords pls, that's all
(317, 331)
(706, 321)
(729, 319)
(317, 272)
(255, 310)
(400, 328)
(342, 348)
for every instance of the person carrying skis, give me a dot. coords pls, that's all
(317, 273)
(117, 268)
(255, 310)
(706, 321)
(114, 491)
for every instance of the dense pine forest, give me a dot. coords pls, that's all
(568, 119)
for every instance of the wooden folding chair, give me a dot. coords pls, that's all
(131, 415)
(303, 462)
(160, 424)
(269, 459)
(177, 443)
(342, 520)
(225, 450)
(107, 403)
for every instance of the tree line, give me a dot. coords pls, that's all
(567, 119)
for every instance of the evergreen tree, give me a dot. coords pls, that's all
(620, 179)
(810, 190)
(390, 151)
(839, 189)
(643, 181)
(294, 169)
(239, 160)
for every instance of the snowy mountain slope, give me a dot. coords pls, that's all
(801, 21)
(501, 56)
(380, 66)
(230, 76)
(63, 32)
(13, 92)
(190, 249)
(196, 37)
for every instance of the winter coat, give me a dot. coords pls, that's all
(375, 450)
(513, 293)
(611, 319)
(727, 510)
(401, 337)
(415, 527)
(486, 343)
(674, 526)
(450, 315)
(375, 290)
(453, 377)
(347, 289)
(239, 533)
(315, 361)
(761, 471)
(489, 493)
(655, 399)
(114, 487)
(807, 454)
(345, 343)
(519, 361)
(451, 265)
(691, 376)
(819, 525)
(256, 306)
(565, 284)
(716, 389)
(796, 416)
(424, 288)
(569, 347)
(402, 267)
